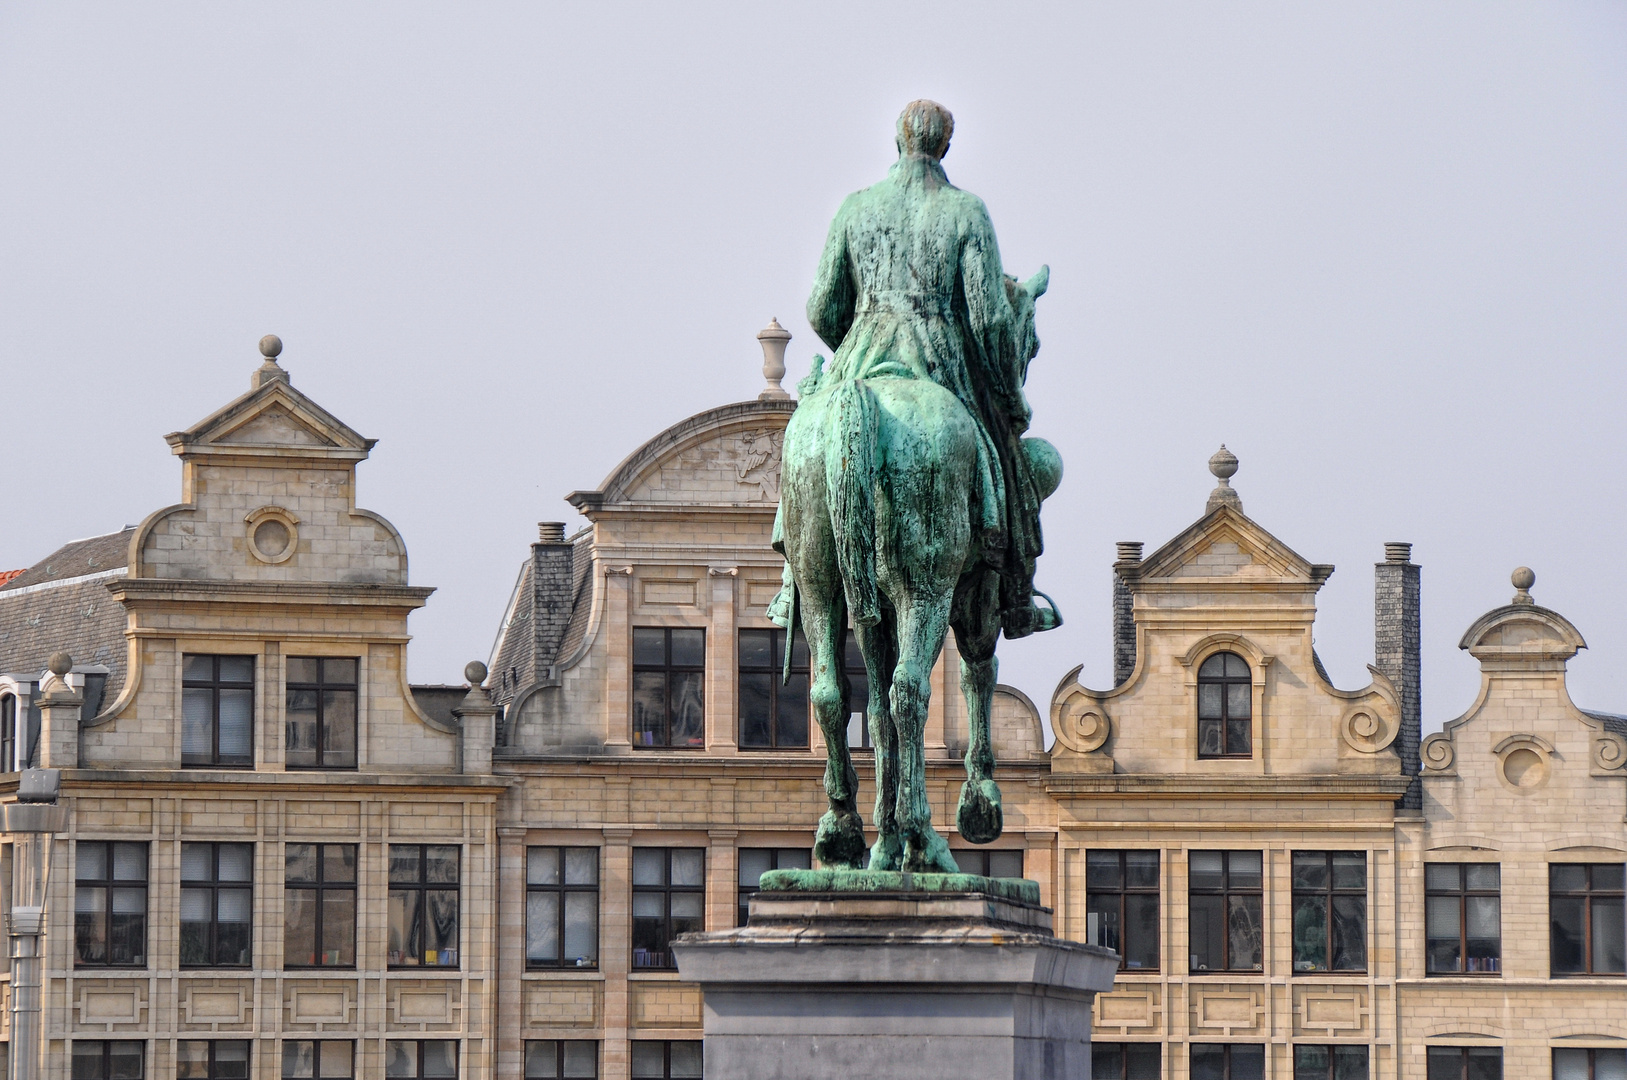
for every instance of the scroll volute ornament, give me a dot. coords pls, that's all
(1369, 727)
(1609, 752)
(1438, 753)
(1081, 724)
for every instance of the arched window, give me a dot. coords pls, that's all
(1225, 707)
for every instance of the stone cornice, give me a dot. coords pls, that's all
(309, 594)
(1202, 786)
(180, 783)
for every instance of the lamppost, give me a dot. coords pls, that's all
(32, 821)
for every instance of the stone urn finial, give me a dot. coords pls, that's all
(1224, 466)
(774, 339)
(1523, 578)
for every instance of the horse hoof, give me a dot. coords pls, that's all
(888, 854)
(979, 817)
(839, 844)
(931, 856)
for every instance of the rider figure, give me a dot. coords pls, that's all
(910, 285)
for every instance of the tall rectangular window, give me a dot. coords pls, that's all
(1330, 911)
(671, 1059)
(1121, 890)
(423, 905)
(1576, 1063)
(1126, 1061)
(319, 905)
(755, 862)
(110, 904)
(669, 688)
(1330, 1062)
(561, 1059)
(669, 898)
(108, 1059)
(321, 713)
(562, 907)
(1225, 707)
(212, 1059)
(217, 904)
(773, 715)
(858, 693)
(1225, 907)
(420, 1059)
(1464, 1063)
(318, 1059)
(1228, 1061)
(1463, 919)
(1587, 910)
(217, 711)
(8, 733)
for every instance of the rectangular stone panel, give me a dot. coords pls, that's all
(666, 1005)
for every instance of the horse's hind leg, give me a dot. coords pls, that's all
(839, 842)
(976, 620)
(880, 654)
(922, 626)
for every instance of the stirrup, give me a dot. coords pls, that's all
(1049, 617)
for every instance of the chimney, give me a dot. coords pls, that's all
(553, 584)
(1125, 571)
(1397, 649)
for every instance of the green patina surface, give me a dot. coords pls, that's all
(1020, 890)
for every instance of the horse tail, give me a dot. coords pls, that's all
(850, 484)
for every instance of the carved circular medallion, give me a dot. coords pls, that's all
(1522, 762)
(273, 534)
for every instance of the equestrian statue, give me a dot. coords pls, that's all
(909, 498)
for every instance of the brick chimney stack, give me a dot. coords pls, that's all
(1125, 571)
(1397, 650)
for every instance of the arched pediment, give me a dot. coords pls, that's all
(1522, 632)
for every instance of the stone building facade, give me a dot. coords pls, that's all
(1298, 883)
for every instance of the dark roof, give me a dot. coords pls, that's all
(1612, 721)
(95, 555)
(65, 611)
(438, 701)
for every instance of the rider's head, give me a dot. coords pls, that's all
(924, 127)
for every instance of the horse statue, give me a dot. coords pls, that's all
(877, 492)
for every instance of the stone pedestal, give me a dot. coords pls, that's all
(895, 985)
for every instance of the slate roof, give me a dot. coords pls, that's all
(532, 636)
(77, 558)
(1612, 721)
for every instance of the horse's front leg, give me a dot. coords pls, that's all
(839, 841)
(976, 621)
(922, 627)
(880, 653)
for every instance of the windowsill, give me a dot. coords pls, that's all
(682, 749)
(248, 766)
(660, 974)
(771, 749)
(1227, 973)
(1341, 973)
(404, 969)
(1225, 757)
(321, 768)
(113, 967)
(1463, 975)
(1569, 975)
(318, 967)
(591, 974)
(193, 968)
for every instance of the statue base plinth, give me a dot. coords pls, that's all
(826, 985)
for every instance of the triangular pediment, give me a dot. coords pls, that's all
(270, 417)
(1226, 545)
(274, 426)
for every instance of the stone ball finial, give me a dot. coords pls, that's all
(60, 664)
(1523, 578)
(271, 346)
(773, 338)
(1223, 464)
(474, 672)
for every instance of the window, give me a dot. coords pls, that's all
(1228, 1061)
(217, 904)
(755, 862)
(1225, 707)
(1463, 917)
(858, 693)
(8, 733)
(1330, 911)
(1121, 890)
(414, 1058)
(562, 909)
(561, 1059)
(98, 1059)
(1225, 911)
(423, 907)
(1126, 1061)
(990, 864)
(1330, 1063)
(772, 716)
(1579, 1064)
(215, 1059)
(110, 904)
(1587, 909)
(1465, 1063)
(669, 899)
(669, 693)
(217, 710)
(318, 1059)
(319, 905)
(655, 1060)
(321, 713)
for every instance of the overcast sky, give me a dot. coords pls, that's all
(1380, 251)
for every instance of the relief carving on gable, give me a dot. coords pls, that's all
(737, 467)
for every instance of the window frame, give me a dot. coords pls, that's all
(1125, 890)
(1327, 896)
(1123, 1049)
(982, 856)
(106, 1045)
(418, 1047)
(665, 891)
(319, 688)
(106, 885)
(744, 892)
(8, 732)
(321, 887)
(561, 889)
(776, 648)
(211, 1068)
(215, 885)
(1462, 1053)
(666, 1056)
(1226, 891)
(1333, 1050)
(422, 887)
(1589, 896)
(858, 682)
(1226, 1048)
(559, 1059)
(1463, 894)
(316, 1059)
(1592, 1053)
(215, 685)
(667, 669)
(1225, 682)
